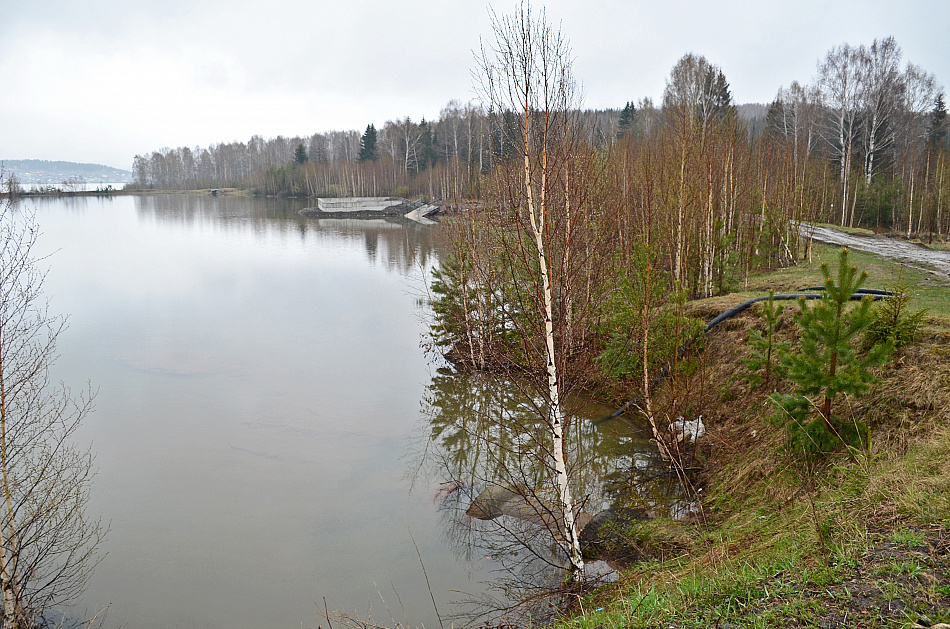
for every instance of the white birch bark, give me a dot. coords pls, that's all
(940, 199)
(536, 214)
(528, 72)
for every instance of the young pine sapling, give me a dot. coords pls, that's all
(828, 364)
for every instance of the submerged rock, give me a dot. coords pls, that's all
(493, 502)
(523, 504)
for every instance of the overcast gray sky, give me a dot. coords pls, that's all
(102, 81)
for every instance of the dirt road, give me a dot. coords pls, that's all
(917, 256)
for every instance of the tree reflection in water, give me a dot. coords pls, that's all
(485, 439)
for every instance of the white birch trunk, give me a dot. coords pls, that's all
(569, 302)
(845, 143)
(872, 147)
(658, 436)
(709, 247)
(536, 213)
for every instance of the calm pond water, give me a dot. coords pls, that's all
(263, 402)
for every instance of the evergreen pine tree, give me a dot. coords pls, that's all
(720, 95)
(628, 118)
(368, 144)
(767, 350)
(300, 155)
(893, 322)
(775, 119)
(827, 363)
(428, 141)
(937, 132)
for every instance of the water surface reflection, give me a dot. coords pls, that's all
(403, 246)
(486, 441)
(259, 380)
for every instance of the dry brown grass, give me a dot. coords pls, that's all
(912, 398)
(746, 464)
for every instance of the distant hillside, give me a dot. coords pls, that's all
(30, 171)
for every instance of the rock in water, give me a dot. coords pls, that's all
(491, 503)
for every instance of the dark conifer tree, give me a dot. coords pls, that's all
(720, 95)
(300, 154)
(368, 144)
(775, 119)
(937, 132)
(428, 141)
(628, 119)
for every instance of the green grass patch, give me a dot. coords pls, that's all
(907, 537)
(909, 568)
(763, 564)
(927, 291)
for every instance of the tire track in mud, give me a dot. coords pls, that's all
(911, 254)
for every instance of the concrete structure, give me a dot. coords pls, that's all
(383, 205)
(371, 207)
(420, 213)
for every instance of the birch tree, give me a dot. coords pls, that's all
(527, 72)
(839, 79)
(696, 96)
(919, 90)
(47, 543)
(699, 88)
(793, 115)
(881, 97)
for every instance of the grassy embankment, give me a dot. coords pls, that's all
(860, 541)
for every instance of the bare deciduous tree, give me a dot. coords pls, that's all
(883, 87)
(794, 115)
(47, 543)
(527, 73)
(698, 89)
(840, 82)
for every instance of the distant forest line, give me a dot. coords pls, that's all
(864, 143)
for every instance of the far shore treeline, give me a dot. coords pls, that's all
(864, 143)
